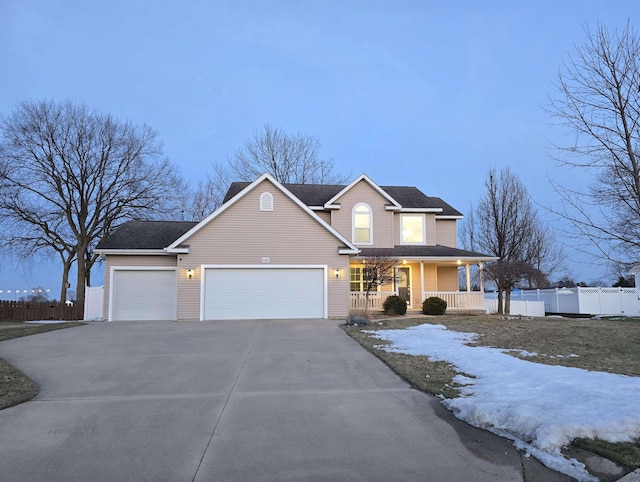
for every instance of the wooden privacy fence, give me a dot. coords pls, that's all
(27, 311)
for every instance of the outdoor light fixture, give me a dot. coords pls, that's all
(190, 273)
(404, 261)
(337, 273)
(459, 262)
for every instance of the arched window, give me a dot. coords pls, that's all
(266, 201)
(362, 224)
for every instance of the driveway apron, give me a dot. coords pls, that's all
(230, 401)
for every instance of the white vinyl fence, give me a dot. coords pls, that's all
(93, 303)
(521, 308)
(585, 301)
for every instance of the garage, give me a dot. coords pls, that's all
(143, 294)
(264, 292)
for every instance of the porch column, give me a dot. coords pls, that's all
(468, 271)
(421, 280)
(396, 290)
(480, 265)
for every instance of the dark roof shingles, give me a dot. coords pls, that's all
(421, 252)
(318, 194)
(160, 234)
(146, 234)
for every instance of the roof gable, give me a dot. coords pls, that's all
(332, 203)
(400, 197)
(239, 190)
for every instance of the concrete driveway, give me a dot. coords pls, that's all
(234, 400)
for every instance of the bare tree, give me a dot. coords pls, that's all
(37, 295)
(290, 159)
(69, 176)
(506, 225)
(378, 270)
(203, 201)
(544, 255)
(599, 102)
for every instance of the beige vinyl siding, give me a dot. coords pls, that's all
(396, 229)
(383, 223)
(430, 227)
(448, 278)
(446, 234)
(416, 288)
(245, 235)
(116, 260)
(430, 277)
(326, 217)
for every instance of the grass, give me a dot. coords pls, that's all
(15, 387)
(608, 345)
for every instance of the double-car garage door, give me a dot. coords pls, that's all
(263, 293)
(227, 293)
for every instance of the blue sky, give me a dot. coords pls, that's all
(422, 93)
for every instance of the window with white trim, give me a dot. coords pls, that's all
(266, 201)
(362, 224)
(412, 229)
(355, 279)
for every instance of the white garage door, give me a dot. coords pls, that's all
(264, 293)
(143, 294)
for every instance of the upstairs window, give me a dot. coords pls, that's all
(362, 223)
(412, 229)
(266, 201)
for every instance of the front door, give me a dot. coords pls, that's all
(404, 288)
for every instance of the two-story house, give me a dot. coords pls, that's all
(275, 250)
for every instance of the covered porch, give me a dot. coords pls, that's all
(415, 278)
(461, 301)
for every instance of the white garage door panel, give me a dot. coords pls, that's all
(144, 295)
(264, 293)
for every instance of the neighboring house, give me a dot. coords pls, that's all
(287, 251)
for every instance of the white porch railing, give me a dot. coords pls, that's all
(456, 300)
(459, 300)
(376, 298)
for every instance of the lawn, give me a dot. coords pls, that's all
(15, 387)
(607, 345)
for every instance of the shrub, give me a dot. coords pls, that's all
(394, 305)
(358, 317)
(434, 306)
(357, 321)
(360, 312)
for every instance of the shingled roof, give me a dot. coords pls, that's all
(157, 235)
(437, 251)
(146, 234)
(318, 194)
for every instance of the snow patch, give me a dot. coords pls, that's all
(542, 408)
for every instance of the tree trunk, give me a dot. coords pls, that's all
(80, 283)
(507, 302)
(66, 266)
(500, 305)
(366, 304)
(81, 254)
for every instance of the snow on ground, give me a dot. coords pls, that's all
(540, 407)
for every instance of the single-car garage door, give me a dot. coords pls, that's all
(264, 293)
(143, 294)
